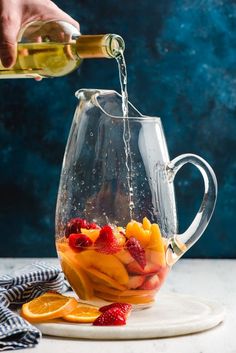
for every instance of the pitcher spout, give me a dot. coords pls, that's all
(109, 102)
(87, 94)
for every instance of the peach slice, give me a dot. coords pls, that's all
(124, 256)
(135, 229)
(93, 234)
(107, 264)
(101, 278)
(156, 257)
(135, 281)
(146, 224)
(156, 242)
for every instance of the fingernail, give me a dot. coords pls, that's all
(7, 61)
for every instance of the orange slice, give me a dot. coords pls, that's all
(76, 276)
(47, 307)
(83, 313)
(61, 246)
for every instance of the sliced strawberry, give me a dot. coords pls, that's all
(151, 283)
(75, 224)
(93, 226)
(135, 282)
(136, 251)
(162, 273)
(136, 269)
(107, 242)
(79, 242)
(124, 307)
(111, 317)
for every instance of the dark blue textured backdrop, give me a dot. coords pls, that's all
(181, 64)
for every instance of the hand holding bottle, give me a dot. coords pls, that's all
(14, 14)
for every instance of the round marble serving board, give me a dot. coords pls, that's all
(171, 315)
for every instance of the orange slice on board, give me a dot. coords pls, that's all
(83, 313)
(47, 307)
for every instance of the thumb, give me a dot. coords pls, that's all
(8, 41)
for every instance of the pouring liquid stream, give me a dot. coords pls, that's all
(126, 131)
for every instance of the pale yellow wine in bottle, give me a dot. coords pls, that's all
(53, 49)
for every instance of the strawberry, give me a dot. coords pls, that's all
(93, 226)
(79, 241)
(111, 317)
(136, 269)
(151, 283)
(136, 251)
(124, 307)
(162, 273)
(75, 224)
(107, 242)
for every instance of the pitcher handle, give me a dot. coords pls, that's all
(180, 243)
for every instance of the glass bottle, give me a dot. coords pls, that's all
(55, 48)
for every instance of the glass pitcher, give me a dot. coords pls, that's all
(116, 220)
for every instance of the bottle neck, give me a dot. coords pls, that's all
(99, 46)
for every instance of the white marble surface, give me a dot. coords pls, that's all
(212, 279)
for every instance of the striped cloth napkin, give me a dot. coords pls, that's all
(15, 332)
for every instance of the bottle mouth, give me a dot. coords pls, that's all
(100, 46)
(116, 45)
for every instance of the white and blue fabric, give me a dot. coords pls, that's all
(15, 332)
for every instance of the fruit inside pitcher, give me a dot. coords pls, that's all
(113, 263)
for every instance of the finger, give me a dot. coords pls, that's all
(57, 14)
(38, 78)
(69, 19)
(8, 41)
